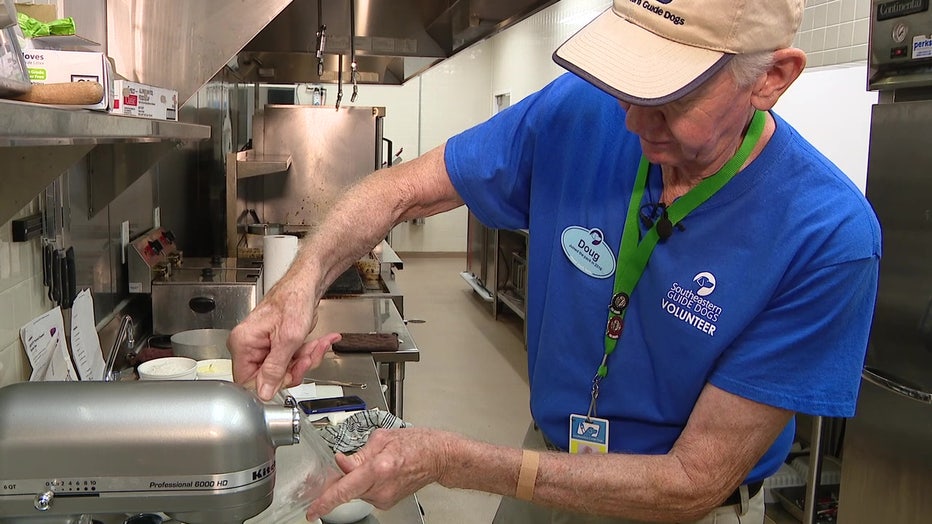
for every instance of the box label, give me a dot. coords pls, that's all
(37, 74)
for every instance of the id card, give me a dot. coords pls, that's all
(588, 435)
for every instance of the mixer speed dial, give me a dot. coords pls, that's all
(43, 501)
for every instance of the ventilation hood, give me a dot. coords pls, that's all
(274, 41)
(394, 39)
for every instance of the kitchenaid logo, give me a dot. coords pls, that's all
(651, 5)
(689, 305)
(261, 473)
(899, 8)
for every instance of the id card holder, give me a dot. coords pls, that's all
(588, 434)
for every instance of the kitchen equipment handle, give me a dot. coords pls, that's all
(202, 305)
(390, 149)
(878, 378)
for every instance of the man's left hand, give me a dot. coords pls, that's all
(393, 464)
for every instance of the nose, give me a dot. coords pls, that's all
(642, 120)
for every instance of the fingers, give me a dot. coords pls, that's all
(351, 486)
(276, 372)
(272, 373)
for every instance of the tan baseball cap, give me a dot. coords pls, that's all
(650, 52)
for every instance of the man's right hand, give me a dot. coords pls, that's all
(269, 348)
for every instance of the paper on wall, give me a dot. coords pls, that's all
(85, 344)
(44, 340)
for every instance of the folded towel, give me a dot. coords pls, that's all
(353, 433)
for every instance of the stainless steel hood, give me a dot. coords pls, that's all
(394, 39)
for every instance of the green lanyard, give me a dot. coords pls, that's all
(633, 256)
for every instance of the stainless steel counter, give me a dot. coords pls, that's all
(373, 315)
(361, 368)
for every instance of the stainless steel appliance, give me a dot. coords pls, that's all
(304, 157)
(887, 457)
(200, 451)
(204, 294)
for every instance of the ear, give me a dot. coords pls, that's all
(787, 65)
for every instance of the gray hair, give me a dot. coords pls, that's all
(747, 68)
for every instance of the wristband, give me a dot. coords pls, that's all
(527, 477)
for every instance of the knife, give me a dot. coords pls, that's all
(69, 284)
(55, 284)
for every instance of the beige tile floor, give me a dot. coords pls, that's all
(472, 377)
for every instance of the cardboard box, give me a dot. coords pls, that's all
(46, 66)
(134, 99)
(41, 12)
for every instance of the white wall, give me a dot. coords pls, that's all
(454, 97)
(521, 62)
(831, 107)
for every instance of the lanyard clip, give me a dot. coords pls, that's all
(596, 381)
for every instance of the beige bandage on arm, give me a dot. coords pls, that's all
(527, 476)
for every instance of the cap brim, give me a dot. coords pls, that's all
(634, 64)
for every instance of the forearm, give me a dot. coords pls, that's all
(642, 487)
(366, 213)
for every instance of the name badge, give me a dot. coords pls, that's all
(588, 434)
(586, 249)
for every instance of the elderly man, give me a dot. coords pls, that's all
(699, 273)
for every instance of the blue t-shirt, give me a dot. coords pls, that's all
(767, 293)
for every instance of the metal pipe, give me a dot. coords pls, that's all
(125, 332)
(815, 472)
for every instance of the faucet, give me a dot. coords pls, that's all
(124, 333)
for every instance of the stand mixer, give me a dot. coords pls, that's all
(200, 451)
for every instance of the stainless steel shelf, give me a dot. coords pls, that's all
(25, 124)
(512, 303)
(38, 143)
(250, 164)
(471, 279)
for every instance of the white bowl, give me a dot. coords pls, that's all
(215, 369)
(352, 511)
(168, 368)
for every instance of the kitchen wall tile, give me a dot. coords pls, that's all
(863, 9)
(804, 40)
(848, 10)
(818, 39)
(861, 31)
(829, 56)
(846, 34)
(831, 37)
(843, 55)
(859, 52)
(9, 328)
(13, 365)
(819, 16)
(815, 59)
(833, 13)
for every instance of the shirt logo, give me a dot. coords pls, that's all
(688, 303)
(706, 283)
